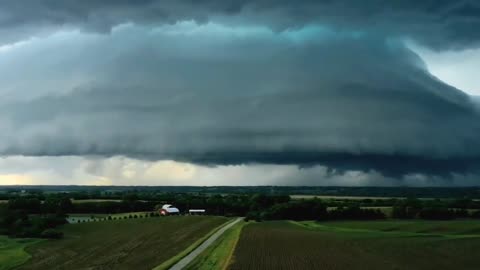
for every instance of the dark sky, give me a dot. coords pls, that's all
(240, 92)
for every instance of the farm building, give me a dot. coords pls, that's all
(168, 209)
(196, 211)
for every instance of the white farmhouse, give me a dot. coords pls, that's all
(168, 209)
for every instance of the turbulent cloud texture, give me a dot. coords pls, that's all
(437, 23)
(347, 101)
(329, 86)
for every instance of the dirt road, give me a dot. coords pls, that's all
(192, 255)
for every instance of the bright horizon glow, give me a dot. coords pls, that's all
(124, 171)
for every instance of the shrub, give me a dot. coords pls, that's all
(51, 234)
(461, 213)
(355, 213)
(437, 213)
(407, 209)
(253, 215)
(297, 210)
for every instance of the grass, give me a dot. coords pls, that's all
(359, 245)
(334, 197)
(12, 251)
(172, 261)
(218, 255)
(121, 244)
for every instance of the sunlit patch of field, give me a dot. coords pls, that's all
(12, 251)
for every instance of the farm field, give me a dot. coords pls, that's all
(217, 256)
(358, 245)
(334, 197)
(120, 244)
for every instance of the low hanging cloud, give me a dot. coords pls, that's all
(75, 170)
(439, 24)
(217, 95)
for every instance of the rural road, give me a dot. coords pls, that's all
(192, 255)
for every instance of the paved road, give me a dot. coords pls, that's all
(192, 255)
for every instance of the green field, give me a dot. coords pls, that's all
(12, 251)
(334, 197)
(120, 244)
(359, 245)
(455, 228)
(217, 256)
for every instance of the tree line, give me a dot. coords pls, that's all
(29, 216)
(313, 209)
(152, 192)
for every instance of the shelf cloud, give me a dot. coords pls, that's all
(326, 86)
(345, 101)
(441, 24)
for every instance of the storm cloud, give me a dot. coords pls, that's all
(332, 88)
(346, 101)
(440, 24)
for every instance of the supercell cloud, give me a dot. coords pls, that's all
(437, 23)
(333, 87)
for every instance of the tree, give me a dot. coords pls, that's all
(29, 205)
(407, 209)
(438, 213)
